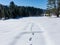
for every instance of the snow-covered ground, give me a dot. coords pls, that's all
(30, 31)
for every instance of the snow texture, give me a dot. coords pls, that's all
(30, 31)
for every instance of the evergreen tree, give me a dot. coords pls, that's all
(14, 11)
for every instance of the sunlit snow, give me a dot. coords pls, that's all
(30, 31)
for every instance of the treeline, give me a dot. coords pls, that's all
(14, 11)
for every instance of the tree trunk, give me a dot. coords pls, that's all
(57, 13)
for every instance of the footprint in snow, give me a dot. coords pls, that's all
(30, 44)
(30, 38)
(32, 33)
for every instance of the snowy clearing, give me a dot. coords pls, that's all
(30, 31)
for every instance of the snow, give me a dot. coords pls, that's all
(30, 31)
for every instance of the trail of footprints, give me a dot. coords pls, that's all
(30, 39)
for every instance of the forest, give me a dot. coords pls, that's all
(15, 11)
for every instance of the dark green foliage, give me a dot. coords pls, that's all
(14, 11)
